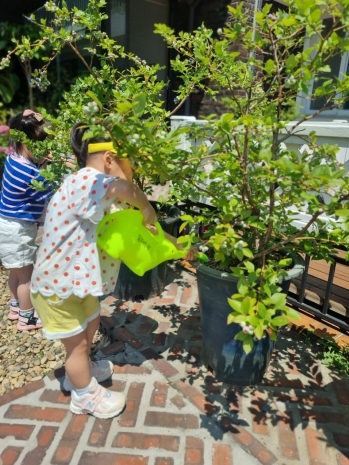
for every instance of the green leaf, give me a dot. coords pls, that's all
(280, 321)
(242, 286)
(278, 299)
(235, 304)
(248, 344)
(140, 102)
(258, 331)
(94, 98)
(343, 212)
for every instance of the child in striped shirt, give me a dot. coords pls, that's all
(21, 206)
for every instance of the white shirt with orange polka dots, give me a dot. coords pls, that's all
(69, 260)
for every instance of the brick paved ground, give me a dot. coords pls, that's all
(177, 413)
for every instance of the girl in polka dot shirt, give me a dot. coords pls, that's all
(71, 271)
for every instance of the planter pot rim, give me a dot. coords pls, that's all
(294, 272)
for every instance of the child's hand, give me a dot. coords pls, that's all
(192, 254)
(149, 215)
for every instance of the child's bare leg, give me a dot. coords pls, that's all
(76, 362)
(91, 329)
(13, 284)
(24, 276)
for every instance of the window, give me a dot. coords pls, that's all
(339, 66)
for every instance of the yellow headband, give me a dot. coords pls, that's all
(101, 147)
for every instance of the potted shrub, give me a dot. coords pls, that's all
(242, 164)
(258, 185)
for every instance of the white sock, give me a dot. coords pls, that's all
(27, 313)
(83, 391)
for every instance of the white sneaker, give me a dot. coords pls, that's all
(101, 370)
(98, 402)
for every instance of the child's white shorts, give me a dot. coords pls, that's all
(17, 242)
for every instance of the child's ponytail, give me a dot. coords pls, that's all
(80, 146)
(31, 124)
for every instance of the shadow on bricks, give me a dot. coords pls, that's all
(298, 395)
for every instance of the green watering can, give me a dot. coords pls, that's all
(122, 235)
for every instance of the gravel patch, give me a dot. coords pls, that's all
(27, 356)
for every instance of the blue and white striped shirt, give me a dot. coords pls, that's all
(18, 199)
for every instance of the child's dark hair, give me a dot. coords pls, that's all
(80, 147)
(32, 125)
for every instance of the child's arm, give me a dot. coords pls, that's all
(133, 195)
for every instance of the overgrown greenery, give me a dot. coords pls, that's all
(240, 161)
(335, 356)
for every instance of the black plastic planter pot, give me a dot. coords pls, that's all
(130, 286)
(224, 355)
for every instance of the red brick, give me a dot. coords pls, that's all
(186, 294)
(198, 399)
(294, 366)
(323, 417)
(122, 307)
(283, 382)
(171, 420)
(70, 439)
(110, 300)
(131, 370)
(341, 388)
(146, 327)
(178, 401)
(113, 348)
(10, 455)
(259, 417)
(314, 368)
(194, 451)
(21, 412)
(108, 323)
(131, 317)
(133, 402)
(55, 397)
(176, 349)
(94, 458)
(164, 461)
(159, 363)
(146, 441)
(159, 339)
(311, 400)
(162, 301)
(114, 385)
(342, 440)
(137, 307)
(287, 438)
(123, 334)
(172, 290)
(248, 442)
(56, 374)
(99, 433)
(222, 455)
(45, 437)
(21, 432)
(159, 395)
(21, 392)
(316, 446)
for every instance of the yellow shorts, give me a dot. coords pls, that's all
(65, 318)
